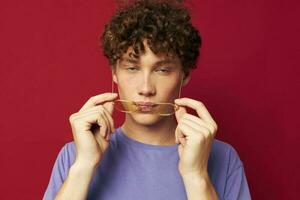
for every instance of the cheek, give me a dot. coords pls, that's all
(170, 90)
(125, 86)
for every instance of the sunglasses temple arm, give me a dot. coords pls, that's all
(112, 83)
(180, 85)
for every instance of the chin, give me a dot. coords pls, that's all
(146, 118)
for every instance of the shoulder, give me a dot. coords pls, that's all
(67, 155)
(223, 153)
(222, 147)
(69, 147)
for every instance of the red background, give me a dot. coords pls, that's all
(248, 78)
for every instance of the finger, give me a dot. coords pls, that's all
(100, 111)
(178, 134)
(182, 141)
(94, 109)
(109, 107)
(180, 112)
(99, 99)
(192, 123)
(103, 126)
(106, 115)
(88, 113)
(180, 137)
(88, 119)
(105, 120)
(198, 106)
(196, 128)
(84, 114)
(101, 140)
(187, 130)
(200, 122)
(110, 119)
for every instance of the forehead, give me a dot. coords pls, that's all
(159, 58)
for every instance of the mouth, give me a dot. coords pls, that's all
(141, 103)
(145, 106)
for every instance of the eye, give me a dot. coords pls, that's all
(164, 70)
(131, 68)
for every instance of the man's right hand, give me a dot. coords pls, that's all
(92, 127)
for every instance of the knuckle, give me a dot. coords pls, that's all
(216, 126)
(200, 104)
(76, 127)
(100, 119)
(99, 122)
(206, 131)
(180, 121)
(179, 125)
(200, 137)
(101, 112)
(91, 99)
(215, 130)
(213, 126)
(210, 127)
(185, 115)
(101, 107)
(214, 134)
(71, 118)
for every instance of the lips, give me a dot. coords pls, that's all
(146, 104)
(145, 108)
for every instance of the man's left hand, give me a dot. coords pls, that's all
(195, 137)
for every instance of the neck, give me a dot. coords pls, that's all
(160, 133)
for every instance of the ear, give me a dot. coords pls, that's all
(113, 72)
(186, 80)
(115, 78)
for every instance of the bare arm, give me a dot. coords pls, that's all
(91, 144)
(77, 182)
(199, 188)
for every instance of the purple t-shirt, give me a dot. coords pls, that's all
(131, 170)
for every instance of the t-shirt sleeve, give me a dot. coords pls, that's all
(236, 182)
(59, 172)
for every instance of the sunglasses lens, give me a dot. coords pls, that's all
(125, 106)
(163, 109)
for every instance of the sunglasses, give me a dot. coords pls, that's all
(158, 108)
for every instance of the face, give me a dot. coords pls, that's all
(150, 78)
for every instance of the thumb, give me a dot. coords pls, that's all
(109, 106)
(180, 112)
(179, 136)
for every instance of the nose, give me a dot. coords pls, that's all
(146, 88)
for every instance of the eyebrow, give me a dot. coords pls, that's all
(160, 62)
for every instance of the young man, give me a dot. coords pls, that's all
(151, 47)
